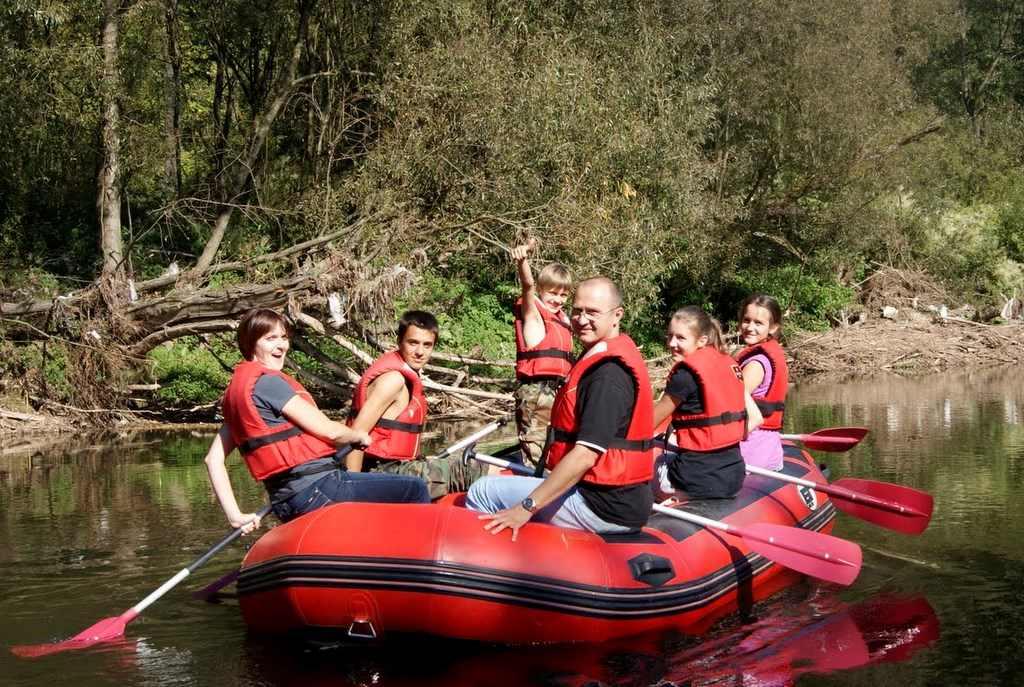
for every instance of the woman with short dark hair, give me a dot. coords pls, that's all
(286, 441)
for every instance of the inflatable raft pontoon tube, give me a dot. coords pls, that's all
(371, 570)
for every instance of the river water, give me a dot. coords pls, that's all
(88, 529)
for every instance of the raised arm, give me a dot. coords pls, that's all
(533, 323)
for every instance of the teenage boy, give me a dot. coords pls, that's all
(389, 404)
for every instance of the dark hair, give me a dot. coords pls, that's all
(702, 324)
(417, 318)
(254, 324)
(762, 300)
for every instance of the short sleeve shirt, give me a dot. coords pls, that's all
(270, 395)
(683, 388)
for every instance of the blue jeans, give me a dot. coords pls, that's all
(341, 486)
(492, 494)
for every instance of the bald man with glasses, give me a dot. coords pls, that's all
(599, 449)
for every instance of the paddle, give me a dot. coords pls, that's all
(112, 628)
(833, 439)
(893, 506)
(811, 553)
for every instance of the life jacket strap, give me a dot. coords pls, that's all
(723, 419)
(617, 443)
(544, 353)
(250, 445)
(400, 426)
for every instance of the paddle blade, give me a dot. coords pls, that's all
(903, 509)
(834, 439)
(811, 553)
(106, 630)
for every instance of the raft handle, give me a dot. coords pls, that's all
(651, 569)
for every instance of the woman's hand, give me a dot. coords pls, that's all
(247, 522)
(360, 439)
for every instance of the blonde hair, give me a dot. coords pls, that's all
(554, 276)
(702, 324)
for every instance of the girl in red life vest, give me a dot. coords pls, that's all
(286, 441)
(709, 413)
(765, 377)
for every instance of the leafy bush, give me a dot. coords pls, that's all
(188, 373)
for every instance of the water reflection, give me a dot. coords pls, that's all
(819, 635)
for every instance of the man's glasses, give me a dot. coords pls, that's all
(589, 314)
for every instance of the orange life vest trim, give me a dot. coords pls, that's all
(628, 460)
(267, 450)
(398, 438)
(773, 403)
(552, 356)
(723, 421)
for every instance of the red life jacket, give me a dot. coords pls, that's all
(629, 460)
(267, 450)
(397, 439)
(773, 403)
(723, 421)
(552, 356)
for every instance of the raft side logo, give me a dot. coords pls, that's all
(809, 496)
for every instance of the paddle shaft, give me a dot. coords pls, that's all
(837, 492)
(189, 569)
(806, 551)
(736, 531)
(472, 438)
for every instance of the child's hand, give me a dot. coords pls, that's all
(522, 252)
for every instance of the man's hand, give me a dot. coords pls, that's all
(512, 518)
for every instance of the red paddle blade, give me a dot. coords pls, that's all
(105, 630)
(811, 553)
(834, 439)
(894, 506)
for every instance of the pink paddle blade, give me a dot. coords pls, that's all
(811, 553)
(897, 507)
(104, 631)
(834, 439)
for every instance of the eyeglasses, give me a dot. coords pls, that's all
(589, 314)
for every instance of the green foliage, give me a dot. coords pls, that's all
(470, 320)
(188, 373)
(809, 301)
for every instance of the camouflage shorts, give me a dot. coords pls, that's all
(442, 475)
(533, 415)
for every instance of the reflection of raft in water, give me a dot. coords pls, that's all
(375, 569)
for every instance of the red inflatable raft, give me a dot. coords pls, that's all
(370, 570)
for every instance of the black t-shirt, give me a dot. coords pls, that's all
(604, 405)
(683, 388)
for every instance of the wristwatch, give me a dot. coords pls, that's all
(528, 505)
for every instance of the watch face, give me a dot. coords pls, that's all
(528, 504)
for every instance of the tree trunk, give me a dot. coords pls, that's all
(172, 103)
(108, 201)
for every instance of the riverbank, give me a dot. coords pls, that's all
(916, 344)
